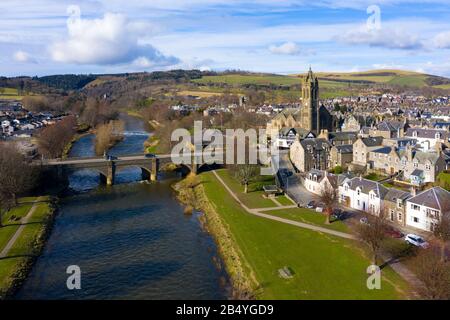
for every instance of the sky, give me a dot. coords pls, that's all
(43, 37)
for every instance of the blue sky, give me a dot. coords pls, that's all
(285, 36)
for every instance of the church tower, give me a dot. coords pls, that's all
(310, 103)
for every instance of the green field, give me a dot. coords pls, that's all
(331, 83)
(309, 216)
(9, 94)
(25, 247)
(323, 266)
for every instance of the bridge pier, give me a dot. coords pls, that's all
(111, 174)
(155, 169)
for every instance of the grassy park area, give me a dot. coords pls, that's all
(309, 216)
(322, 266)
(254, 198)
(13, 267)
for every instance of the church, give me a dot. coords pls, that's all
(307, 120)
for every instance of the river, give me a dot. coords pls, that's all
(131, 240)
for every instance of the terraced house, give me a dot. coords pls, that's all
(424, 210)
(362, 194)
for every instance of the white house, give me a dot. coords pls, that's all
(427, 138)
(316, 181)
(362, 194)
(424, 210)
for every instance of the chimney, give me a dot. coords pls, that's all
(413, 191)
(409, 152)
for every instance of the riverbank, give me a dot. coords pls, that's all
(191, 193)
(22, 238)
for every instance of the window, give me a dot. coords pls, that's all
(400, 217)
(416, 220)
(415, 207)
(391, 214)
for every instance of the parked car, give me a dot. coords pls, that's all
(319, 209)
(364, 220)
(150, 155)
(311, 205)
(339, 214)
(110, 158)
(416, 240)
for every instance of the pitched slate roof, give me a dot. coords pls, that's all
(372, 141)
(394, 194)
(426, 133)
(435, 198)
(317, 143)
(384, 150)
(345, 148)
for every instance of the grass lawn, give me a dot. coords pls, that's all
(284, 201)
(309, 216)
(25, 246)
(324, 267)
(10, 227)
(254, 198)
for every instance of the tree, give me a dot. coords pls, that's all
(328, 197)
(442, 232)
(107, 135)
(245, 173)
(52, 140)
(16, 176)
(373, 234)
(434, 274)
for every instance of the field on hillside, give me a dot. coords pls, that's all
(9, 94)
(331, 82)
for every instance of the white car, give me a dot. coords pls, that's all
(319, 209)
(416, 240)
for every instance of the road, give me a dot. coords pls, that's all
(293, 185)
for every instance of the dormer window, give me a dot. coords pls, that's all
(438, 136)
(414, 133)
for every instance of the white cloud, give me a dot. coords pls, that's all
(23, 57)
(390, 38)
(442, 40)
(289, 48)
(108, 41)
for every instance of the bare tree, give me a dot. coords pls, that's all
(245, 173)
(107, 135)
(373, 233)
(442, 232)
(329, 198)
(434, 274)
(16, 176)
(53, 139)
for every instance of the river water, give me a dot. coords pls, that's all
(131, 240)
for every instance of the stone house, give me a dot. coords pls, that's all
(310, 154)
(362, 148)
(341, 155)
(394, 206)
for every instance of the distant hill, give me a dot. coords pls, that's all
(385, 76)
(332, 79)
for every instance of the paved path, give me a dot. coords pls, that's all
(19, 231)
(396, 265)
(259, 213)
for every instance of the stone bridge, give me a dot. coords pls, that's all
(108, 168)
